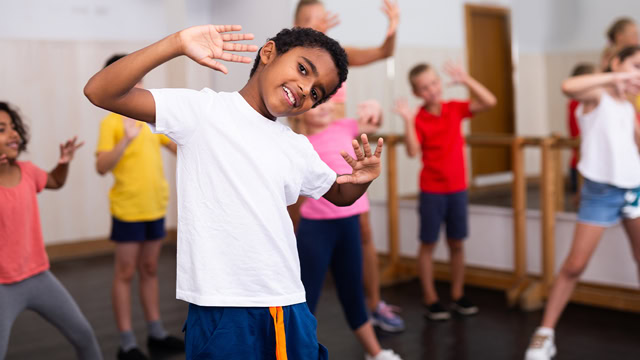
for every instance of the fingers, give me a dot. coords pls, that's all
(227, 28)
(365, 145)
(358, 150)
(215, 65)
(378, 152)
(239, 47)
(235, 58)
(79, 145)
(351, 161)
(236, 37)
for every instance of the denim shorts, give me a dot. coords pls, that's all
(604, 204)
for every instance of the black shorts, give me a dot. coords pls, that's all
(450, 209)
(137, 231)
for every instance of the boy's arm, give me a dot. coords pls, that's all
(483, 99)
(366, 167)
(113, 88)
(58, 176)
(368, 55)
(410, 137)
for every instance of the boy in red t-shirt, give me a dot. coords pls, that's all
(435, 131)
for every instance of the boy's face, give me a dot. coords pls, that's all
(427, 86)
(310, 16)
(291, 83)
(9, 138)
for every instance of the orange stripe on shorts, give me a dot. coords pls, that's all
(278, 322)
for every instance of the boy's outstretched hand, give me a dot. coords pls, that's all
(68, 149)
(366, 166)
(206, 44)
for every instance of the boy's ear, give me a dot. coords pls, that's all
(268, 52)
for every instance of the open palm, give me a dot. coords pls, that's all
(206, 44)
(366, 166)
(68, 149)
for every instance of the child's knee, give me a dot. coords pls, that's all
(573, 268)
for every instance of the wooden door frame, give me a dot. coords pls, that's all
(502, 11)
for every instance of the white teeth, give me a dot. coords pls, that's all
(289, 95)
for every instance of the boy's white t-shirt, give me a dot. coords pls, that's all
(608, 151)
(237, 172)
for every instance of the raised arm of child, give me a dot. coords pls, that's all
(369, 116)
(366, 56)
(589, 88)
(58, 176)
(113, 88)
(411, 141)
(482, 98)
(366, 167)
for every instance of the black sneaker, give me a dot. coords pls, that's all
(133, 354)
(170, 344)
(464, 307)
(436, 311)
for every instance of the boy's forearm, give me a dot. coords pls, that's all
(346, 194)
(484, 96)
(410, 139)
(113, 84)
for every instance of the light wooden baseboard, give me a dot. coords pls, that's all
(92, 247)
(607, 296)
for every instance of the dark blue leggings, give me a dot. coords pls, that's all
(333, 243)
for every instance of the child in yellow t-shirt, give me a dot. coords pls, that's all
(138, 199)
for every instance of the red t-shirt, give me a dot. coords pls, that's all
(574, 129)
(22, 253)
(440, 137)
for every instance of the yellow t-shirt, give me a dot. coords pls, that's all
(140, 191)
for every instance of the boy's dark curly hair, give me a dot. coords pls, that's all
(20, 127)
(288, 39)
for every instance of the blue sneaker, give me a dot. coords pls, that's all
(385, 318)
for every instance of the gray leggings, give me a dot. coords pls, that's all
(44, 294)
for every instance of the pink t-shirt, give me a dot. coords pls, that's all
(22, 253)
(328, 144)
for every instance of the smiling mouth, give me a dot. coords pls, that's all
(13, 145)
(289, 96)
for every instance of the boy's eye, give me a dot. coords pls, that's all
(314, 94)
(302, 69)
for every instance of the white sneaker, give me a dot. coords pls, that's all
(384, 355)
(542, 346)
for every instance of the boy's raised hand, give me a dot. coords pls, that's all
(456, 72)
(401, 108)
(366, 166)
(68, 149)
(206, 44)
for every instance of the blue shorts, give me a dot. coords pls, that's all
(137, 231)
(450, 209)
(248, 333)
(604, 204)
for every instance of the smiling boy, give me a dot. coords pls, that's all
(237, 171)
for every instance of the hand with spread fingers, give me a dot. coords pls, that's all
(207, 44)
(366, 166)
(68, 149)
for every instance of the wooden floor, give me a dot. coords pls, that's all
(496, 333)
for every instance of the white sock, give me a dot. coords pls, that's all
(545, 331)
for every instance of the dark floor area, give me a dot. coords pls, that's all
(496, 333)
(502, 197)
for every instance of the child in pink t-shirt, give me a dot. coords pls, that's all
(25, 279)
(329, 236)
